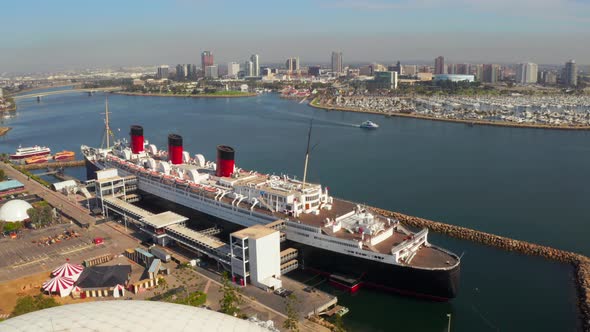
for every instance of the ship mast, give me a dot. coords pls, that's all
(107, 129)
(307, 154)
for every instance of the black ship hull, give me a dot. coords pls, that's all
(437, 285)
(90, 169)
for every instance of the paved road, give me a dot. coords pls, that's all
(61, 202)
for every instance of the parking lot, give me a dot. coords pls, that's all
(25, 255)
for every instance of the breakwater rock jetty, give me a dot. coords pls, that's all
(581, 263)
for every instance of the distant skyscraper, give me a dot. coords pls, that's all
(337, 62)
(570, 73)
(162, 72)
(439, 65)
(477, 71)
(179, 72)
(255, 65)
(526, 73)
(206, 59)
(490, 73)
(211, 72)
(233, 68)
(248, 69)
(451, 68)
(462, 69)
(292, 65)
(193, 73)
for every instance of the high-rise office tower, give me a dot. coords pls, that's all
(462, 69)
(233, 68)
(255, 65)
(206, 59)
(526, 73)
(162, 72)
(292, 65)
(248, 69)
(439, 65)
(211, 71)
(570, 73)
(451, 68)
(179, 72)
(189, 71)
(491, 73)
(337, 62)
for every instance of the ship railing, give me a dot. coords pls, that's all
(415, 241)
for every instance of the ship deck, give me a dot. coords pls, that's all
(429, 257)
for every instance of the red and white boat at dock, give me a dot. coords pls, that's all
(22, 153)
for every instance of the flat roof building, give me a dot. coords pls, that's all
(256, 256)
(454, 78)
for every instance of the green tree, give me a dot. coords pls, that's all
(29, 303)
(2, 175)
(292, 321)
(12, 226)
(231, 299)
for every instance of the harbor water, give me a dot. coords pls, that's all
(528, 184)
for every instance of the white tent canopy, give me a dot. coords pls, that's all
(67, 269)
(61, 285)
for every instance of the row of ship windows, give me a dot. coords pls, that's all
(302, 234)
(365, 255)
(304, 227)
(352, 245)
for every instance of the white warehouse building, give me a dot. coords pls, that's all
(256, 253)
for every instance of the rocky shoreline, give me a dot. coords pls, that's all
(581, 263)
(4, 130)
(316, 104)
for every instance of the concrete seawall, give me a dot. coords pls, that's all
(581, 263)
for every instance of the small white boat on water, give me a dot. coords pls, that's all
(369, 125)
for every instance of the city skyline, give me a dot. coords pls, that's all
(122, 34)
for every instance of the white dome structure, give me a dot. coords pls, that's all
(128, 316)
(15, 210)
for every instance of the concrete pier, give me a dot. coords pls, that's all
(57, 164)
(581, 263)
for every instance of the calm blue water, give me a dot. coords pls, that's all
(523, 183)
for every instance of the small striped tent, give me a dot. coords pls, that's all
(61, 285)
(72, 271)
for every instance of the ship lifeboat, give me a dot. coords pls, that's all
(64, 155)
(180, 181)
(211, 189)
(36, 160)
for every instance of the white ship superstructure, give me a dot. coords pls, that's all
(244, 197)
(32, 151)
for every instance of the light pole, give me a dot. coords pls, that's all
(449, 325)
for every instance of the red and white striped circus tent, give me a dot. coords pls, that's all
(61, 285)
(72, 271)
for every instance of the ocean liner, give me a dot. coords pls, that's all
(344, 240)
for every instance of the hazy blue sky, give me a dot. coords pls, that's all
(45, 35)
